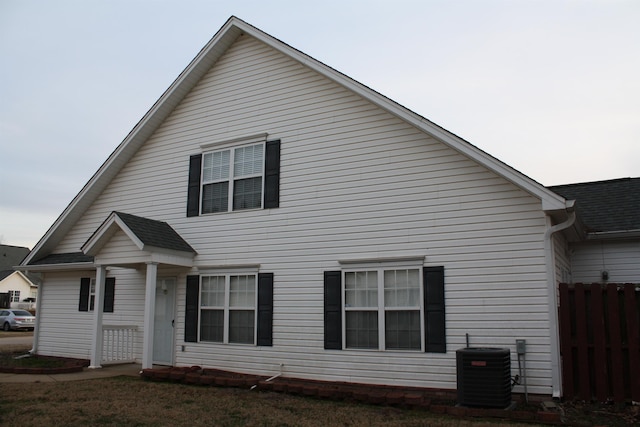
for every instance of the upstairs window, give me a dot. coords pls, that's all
(233, 179)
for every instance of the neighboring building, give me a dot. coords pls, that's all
(270, 214)
(21, 288)
(608, 249)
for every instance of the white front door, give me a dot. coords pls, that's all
(163, 327)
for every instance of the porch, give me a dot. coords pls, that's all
(132, 242)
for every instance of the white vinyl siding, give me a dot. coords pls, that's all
(64, 331)
(620, 259)
(356, 183)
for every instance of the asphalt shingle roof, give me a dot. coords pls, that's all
(65, 258)
(603, 206)
(11, 256)
(155, 233)
(6, 273)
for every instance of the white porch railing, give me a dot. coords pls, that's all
(117, 343)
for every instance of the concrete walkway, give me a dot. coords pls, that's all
(129, 369)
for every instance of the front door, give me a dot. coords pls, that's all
(163, 326)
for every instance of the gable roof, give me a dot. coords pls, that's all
(199, 66)
(5, 273)
(606, 206)
(144, 232)
(11, 256)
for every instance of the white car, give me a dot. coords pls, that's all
(16, 319)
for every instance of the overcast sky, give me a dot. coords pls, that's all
(550, 87)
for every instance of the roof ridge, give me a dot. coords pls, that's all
(595, 182)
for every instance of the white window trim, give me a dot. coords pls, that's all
(231, 179)
(14, 296)
(226, 309)
(380, 267)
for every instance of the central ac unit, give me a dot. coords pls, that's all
(484, 377)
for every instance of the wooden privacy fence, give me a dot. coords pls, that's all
(600, 341)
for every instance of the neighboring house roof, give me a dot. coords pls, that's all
(5, 273)
(606, 206)
(11, 256)
(30, 279)
(200, 65)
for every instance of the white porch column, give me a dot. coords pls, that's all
(98, 310)
(149, 312)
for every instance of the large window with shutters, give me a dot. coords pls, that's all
(228, 308)
(380, 306)
(232, 179)
(383, 309)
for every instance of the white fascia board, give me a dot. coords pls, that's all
(57, 267)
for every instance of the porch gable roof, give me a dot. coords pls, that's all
(145, 233)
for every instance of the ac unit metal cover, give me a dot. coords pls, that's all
(484, 377)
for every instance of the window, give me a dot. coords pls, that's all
(228, 308)
(92, 294)
(14, 296)
(242, 301)
(88, 294)
(232, 179)
(395, 307)
(383, 309)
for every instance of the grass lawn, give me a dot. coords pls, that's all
(128, 401)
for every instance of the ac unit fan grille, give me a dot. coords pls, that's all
(484, 377)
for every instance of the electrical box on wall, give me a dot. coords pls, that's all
(521, 346)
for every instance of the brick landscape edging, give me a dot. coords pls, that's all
(70, 366)
(407, 397)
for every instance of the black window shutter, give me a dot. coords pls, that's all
(333, 310)
(191, 310)
(109, 294)
(434, 328)
(193, 194)
(265, 309)
(272, 175)
(85, 286)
